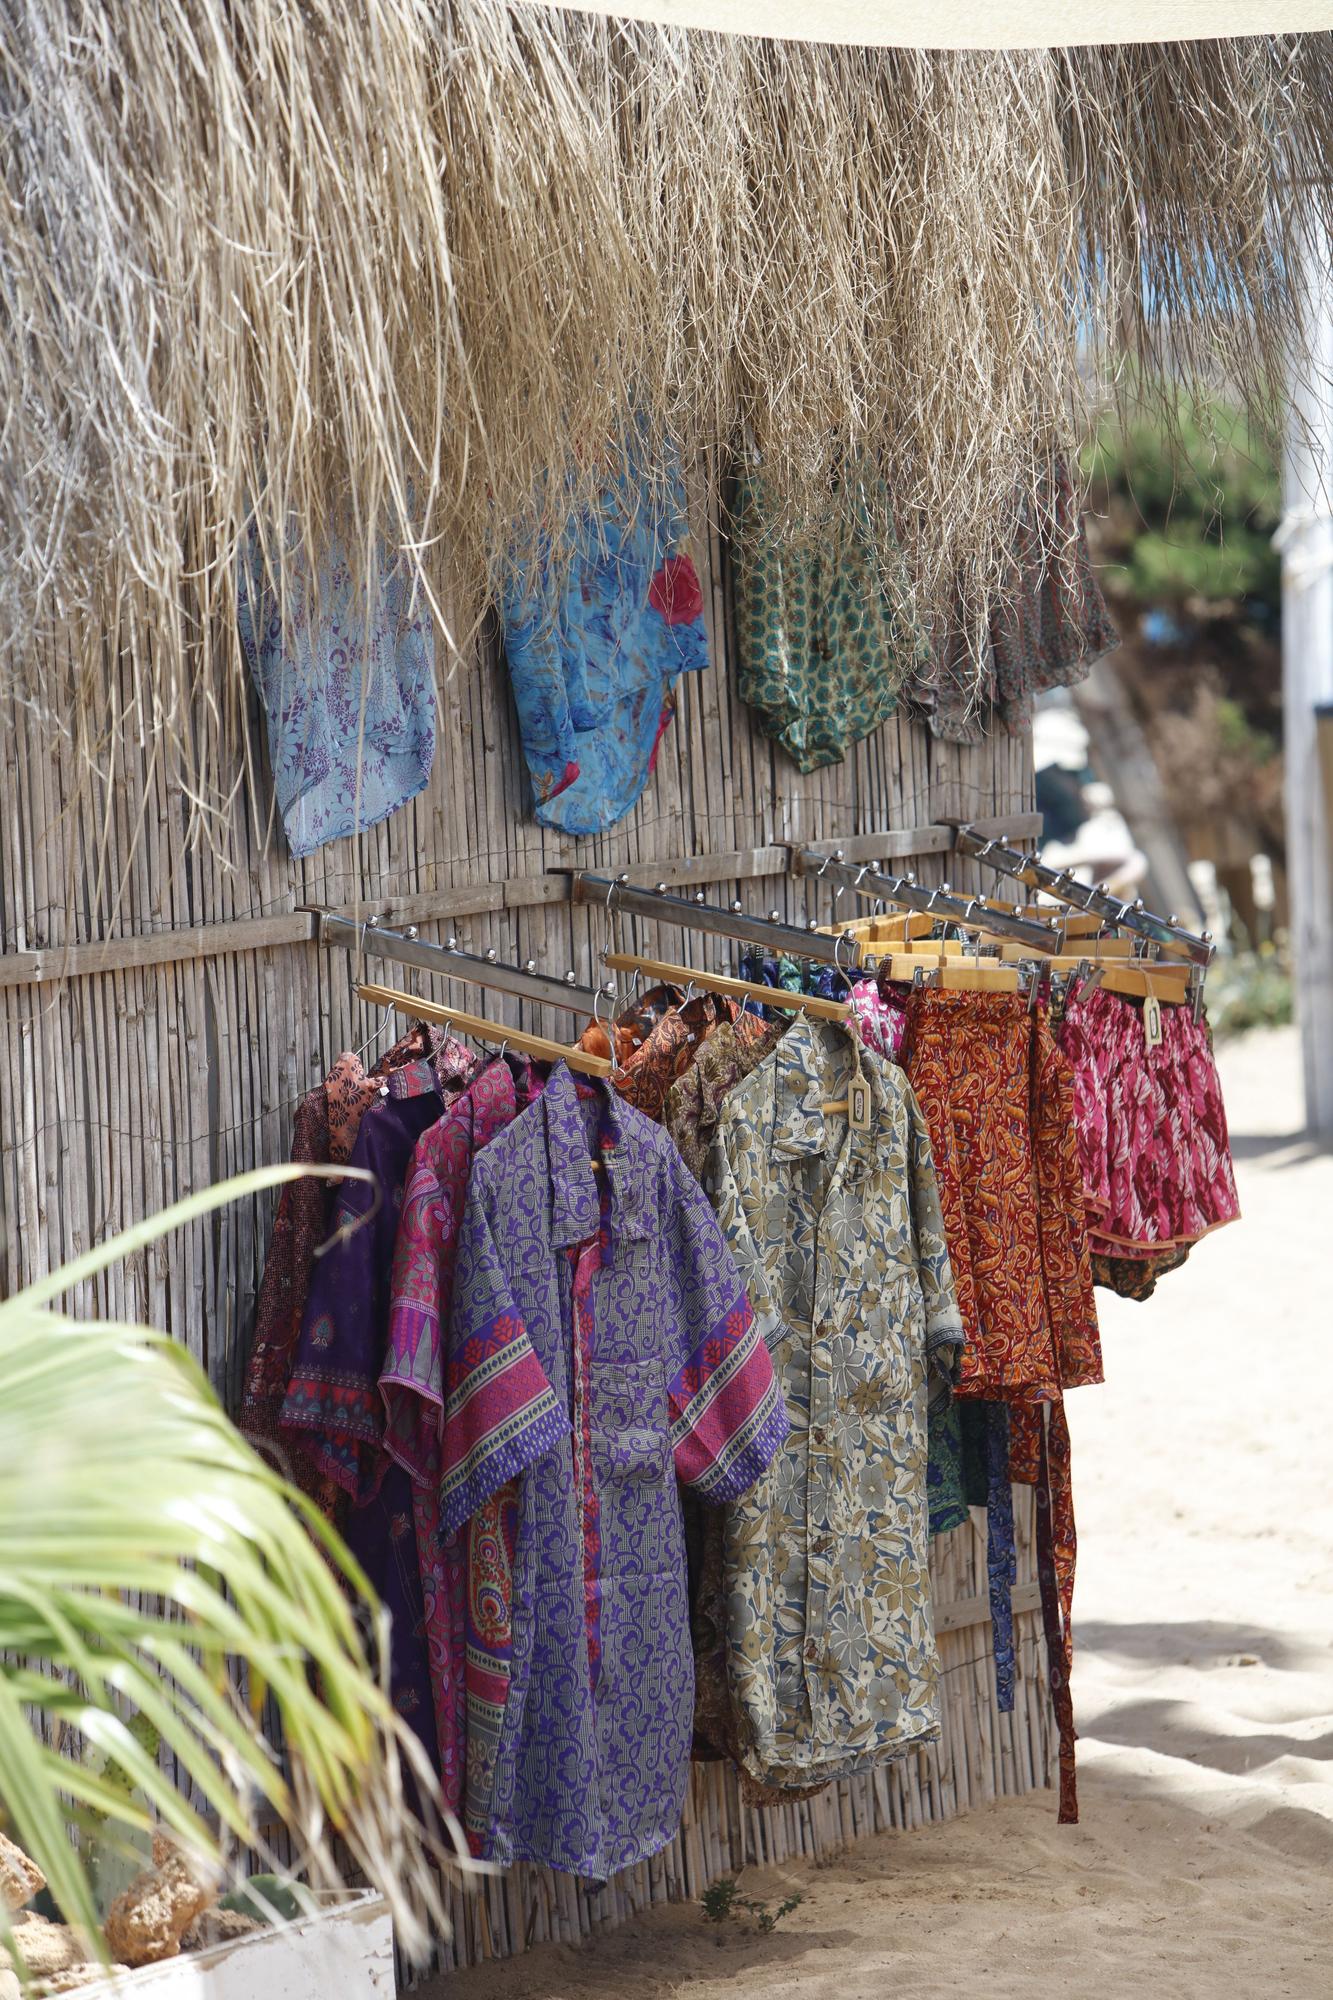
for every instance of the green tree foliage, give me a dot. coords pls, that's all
(1181, 521)
(1193, 527)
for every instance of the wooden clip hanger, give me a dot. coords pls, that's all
(483, 1030)
(1141, 980)
(956, 975)
(1097, 951)
(934, 951)
(1073, 923)
(735, 989)
(881, 929)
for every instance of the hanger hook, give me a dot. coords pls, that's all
(838, 966)
(607, 992)
(376, 1033)
(611, 913)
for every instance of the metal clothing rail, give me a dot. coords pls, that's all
(905, 890)
(616, 893)
(448, 962)
(996, 853)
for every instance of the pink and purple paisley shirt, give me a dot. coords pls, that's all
(466, 1577)
(601, 1347)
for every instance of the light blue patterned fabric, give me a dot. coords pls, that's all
(595, 648)
(335, 771)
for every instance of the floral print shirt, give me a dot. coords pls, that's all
(831, 1646)
(695, 1102)
(601, 1347)
(324, 1133)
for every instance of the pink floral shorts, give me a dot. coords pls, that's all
(1152, 1129)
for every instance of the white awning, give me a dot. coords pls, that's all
(975, 24)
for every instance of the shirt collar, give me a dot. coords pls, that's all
(412, 1079)
(445, 1070)
(726, 1059)
(576, 1209)
(501, 1087)
(812, 1065)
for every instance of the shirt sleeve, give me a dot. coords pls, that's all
(410, 1377)
(500, 1412)
(945, 1338)
(727, 1415)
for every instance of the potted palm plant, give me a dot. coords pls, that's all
(162, 1592)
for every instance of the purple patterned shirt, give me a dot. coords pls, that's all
(333, 1405)
(602, 1346)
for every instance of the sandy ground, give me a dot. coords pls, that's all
(1204, 1692)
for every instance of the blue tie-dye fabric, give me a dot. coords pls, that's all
(595, 645)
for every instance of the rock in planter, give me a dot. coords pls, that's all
(72, 1976)
(148, 1921)
(219, 1927)
(47, 1948)
(20, 1879)
(9, 1986)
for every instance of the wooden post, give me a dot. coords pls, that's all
(1306, 541)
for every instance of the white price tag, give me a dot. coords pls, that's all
(1152, 1021)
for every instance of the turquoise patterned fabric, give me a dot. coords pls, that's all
(596, 644)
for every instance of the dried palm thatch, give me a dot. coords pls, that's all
(424, 264)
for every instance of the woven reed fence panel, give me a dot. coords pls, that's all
(122, 1090)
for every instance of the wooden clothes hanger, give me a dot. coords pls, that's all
(735, 989)
(1073, 923)
(1134, 980)
(882, 929)
(955, 973)
(1097, 951)
(483, 1030)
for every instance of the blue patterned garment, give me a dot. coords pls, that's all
(944, 1466)
(336, 770)
(1001, 1555)
(595, 650)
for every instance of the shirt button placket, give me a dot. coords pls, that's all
(817, 1502)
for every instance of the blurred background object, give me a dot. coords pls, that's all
(1163, 773)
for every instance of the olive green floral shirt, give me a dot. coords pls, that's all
(830, 1640)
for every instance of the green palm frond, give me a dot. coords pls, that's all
(152, 1566)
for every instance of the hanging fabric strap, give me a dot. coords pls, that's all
(1001, 1556)
(1057, 1545)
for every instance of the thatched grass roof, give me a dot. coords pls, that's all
(425, 261)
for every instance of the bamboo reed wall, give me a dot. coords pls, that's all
(122, 1089)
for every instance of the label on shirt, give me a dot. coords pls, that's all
(858, 1104)
(1152, 1021)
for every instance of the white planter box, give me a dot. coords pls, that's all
(345, 1953)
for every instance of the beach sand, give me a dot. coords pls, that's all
(1203, 1865)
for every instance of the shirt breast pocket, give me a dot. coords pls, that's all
(630, 1445)
(894, 1336)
